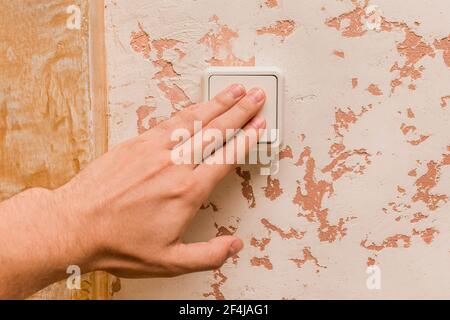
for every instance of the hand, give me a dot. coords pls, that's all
(134, 204)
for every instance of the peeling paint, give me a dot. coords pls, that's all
(140, 42)
(339, 54)
(220, 280)
(375, 90)
(211, 205)
(399, 240)
(286, 153)
(411, 131)
(282, 29)
(371, 262)
(445, 101)
(418, 217)
(427, 235)
(273, 189)
(310, 200)
(247, 189)
(142, 113)
(308, 257)
(292, 234)
(225, 231)
(413, 49)
(426, 183)
(220, 40)
(271, 3)
(354, 26)
(260, 244)
(444, 45)
(262, 262)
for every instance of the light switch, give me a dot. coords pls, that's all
(269, 79)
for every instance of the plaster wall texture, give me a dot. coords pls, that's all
(365, 174)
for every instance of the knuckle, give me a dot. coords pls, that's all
(164, 126)
(175, 269)
(217, 124)
(185, 188)
(194, 107)
(188, 116)
(193, 193)
(221, 100)
(246, 107)
(165, 161)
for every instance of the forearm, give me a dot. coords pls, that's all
(39, 239)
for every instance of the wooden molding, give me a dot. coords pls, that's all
(98, 76)
(99, 281)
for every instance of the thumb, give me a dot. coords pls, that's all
(205, 256)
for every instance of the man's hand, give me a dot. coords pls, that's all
(127, 212)
(140, 202)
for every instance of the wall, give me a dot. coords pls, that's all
(44, 96)
(365, 173)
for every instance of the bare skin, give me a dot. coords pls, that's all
(127, 212)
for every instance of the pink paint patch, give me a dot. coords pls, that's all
(140, 42)
(271, 3)
(143, 113)
(273, 190)
(308, 257)
(175, 95)
(262, 262)
(220, 41)
(247, 189)
(374, 90)
(445, 101)
(282, 29)
(444, 45)
(339, 54)
(390, 242)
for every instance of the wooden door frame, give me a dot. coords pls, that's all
(98, 76)
(99, 281)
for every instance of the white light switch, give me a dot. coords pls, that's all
(267, 78)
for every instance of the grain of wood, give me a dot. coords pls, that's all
(49, 130)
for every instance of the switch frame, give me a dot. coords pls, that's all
(250, 72)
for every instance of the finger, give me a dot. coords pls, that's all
(203, 113)
(216, 167)
(205, 256)
(224, 127)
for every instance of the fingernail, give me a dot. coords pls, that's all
(258, 122)
(237, 90)
(235, 247)
(257, 95)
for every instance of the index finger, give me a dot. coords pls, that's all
(214, 170)
(204, 113)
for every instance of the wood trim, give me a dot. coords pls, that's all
(98, 76)
(99, 281)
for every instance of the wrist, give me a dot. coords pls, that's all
(43, 233)
(78, 236)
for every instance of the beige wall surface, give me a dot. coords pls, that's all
(365, 170)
